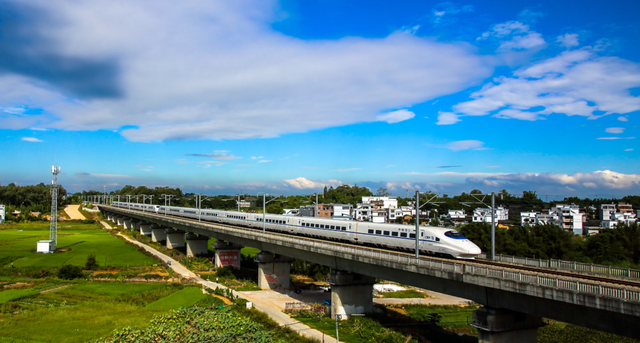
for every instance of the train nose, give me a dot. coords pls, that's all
(475, 251)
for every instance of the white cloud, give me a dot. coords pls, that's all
(615, 138)
(264, 161)
(601, 179)
(447, 118)
(256, 158)
(628, 149)
(614, 130)
(217, 70)
(623, 119)
(443, 9)
(568, 40)
(396, 116)
(513, 35)
(576, 82)
(218, 155)
(466, 145)
(304, 183)
(32, 139)
(217, 163)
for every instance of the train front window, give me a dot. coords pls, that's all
(454, 234)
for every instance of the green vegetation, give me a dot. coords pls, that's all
(75, 242)
(454, 318)
(16, 294)
(28, 199)
(184, 298)
(557, 332)
(619, 246)
(79, 312)
(410, 293)
(69, 272)
(195, 325)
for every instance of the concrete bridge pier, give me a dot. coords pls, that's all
(128, 223)
(273, 271)
(175, 238)
(109, 215)
(499, 325)
(197, 245)
(227, 254)
(136, 225)
(350, 293)
(120, 220)
(158, 234)
(145, 229)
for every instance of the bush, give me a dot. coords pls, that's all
(69, 272)
(225, 272)
(91, 262)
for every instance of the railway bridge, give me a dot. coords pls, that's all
(515, 298)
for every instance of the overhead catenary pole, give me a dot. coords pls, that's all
(417, 224)
(493, 225)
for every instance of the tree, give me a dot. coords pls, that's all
(91, 262)
(382, 192)
(69, 272)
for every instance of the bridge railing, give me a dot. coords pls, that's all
(570, 266)
(457, 267)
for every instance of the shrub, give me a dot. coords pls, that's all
(91, 262)
(69, 272)
(225, 272)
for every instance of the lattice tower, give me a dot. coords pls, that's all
(53, 228)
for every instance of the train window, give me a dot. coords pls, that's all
(378, 232)
(437, 239)
(318, 225)
(386, 233)
(412, 235)
(370, 231)
(403, 234)
(322, 226)
(333, 227)
(421, 234)
(453, 234)
(395, 234)
(344, 228)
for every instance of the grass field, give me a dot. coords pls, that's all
(18, 246)
(184, 298)
(81, 312)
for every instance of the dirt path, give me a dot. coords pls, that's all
(72, 211)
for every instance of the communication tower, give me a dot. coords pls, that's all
(51, 245)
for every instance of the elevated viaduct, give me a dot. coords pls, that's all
(515, 300)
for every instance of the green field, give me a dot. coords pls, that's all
(184, 298)
(76, 241)
(80, 312)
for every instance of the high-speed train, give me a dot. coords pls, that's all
(433, 240)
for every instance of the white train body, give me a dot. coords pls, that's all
(433, 240)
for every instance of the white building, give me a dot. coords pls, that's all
(528, 218)
(611, 218)
(2, 214)
(381, 202)
(569, 217)
(483, 215)
(362, 212)
(342, 211)
(456, 214)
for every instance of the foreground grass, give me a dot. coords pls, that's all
(82, 312)
(75, 242)
(410, 293)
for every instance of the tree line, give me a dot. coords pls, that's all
(618, 247)
(26, 199)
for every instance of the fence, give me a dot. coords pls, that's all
(570, 265)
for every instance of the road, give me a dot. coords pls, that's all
(72, 211)
(259, 303)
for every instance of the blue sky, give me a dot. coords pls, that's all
(290, 96)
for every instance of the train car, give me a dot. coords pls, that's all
(433, 240)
